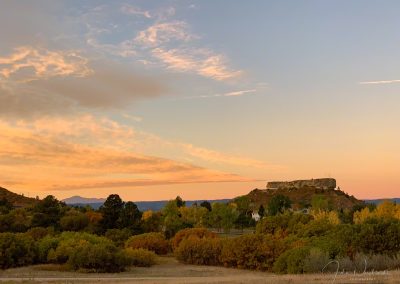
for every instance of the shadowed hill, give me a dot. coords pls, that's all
(16, 200)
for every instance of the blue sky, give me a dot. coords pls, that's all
(215, 96)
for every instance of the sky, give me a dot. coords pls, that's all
(202, 99)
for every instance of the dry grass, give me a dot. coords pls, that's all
(170, 271)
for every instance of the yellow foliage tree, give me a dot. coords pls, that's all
(386, 210)
(359, 217)
(330, 216)
(147, 214)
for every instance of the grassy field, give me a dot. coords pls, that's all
(168, 270)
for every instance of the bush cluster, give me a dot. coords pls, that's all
(252, 251)
(16, 250)
(76, 251)
(155, 242)
(99, 257)
(199, 233)
(141, 257)
(205, 251)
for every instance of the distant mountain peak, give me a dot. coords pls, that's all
(82, 200)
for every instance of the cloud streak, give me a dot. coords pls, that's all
(228, 94)
(379, 82)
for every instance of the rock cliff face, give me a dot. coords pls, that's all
(320, 183)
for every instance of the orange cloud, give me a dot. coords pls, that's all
(217, 157)
(43, 63)
(46, 156)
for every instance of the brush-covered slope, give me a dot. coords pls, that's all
(16, 200)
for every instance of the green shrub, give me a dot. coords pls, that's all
(155, 242)
(38, 233)
(184, 234)
(318, 261)
(271, 224)
(288, 222)
(140, 257)
(16, 250)
(74, 221)
(118, 236)
(252, 251)
(100, 257)
(45, 245)
(292, 261)
(68, 241)
(378, 237)
(198, 251)
(316, 228)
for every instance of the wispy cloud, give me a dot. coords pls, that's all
(239, 93)
(166, 43)
(380, 82)
(33, 63)
(133, 117)
(132, 10)
(201, 61)
(218, 157)
(228, 94)
(161, 33)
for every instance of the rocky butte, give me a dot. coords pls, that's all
(302, 192)
(320, 183)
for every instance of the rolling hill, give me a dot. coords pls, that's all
(15, 199)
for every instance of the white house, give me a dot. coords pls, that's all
(255, 216)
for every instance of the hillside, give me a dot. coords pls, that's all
(17, 200)
(302, 192)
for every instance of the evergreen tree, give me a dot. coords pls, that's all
(111, 211)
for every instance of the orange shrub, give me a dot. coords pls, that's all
(200, 251)
(155, 242)
(253, 251)
(200, 233)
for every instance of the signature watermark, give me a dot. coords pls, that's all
(355, 275)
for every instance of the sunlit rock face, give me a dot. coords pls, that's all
(322, 183)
